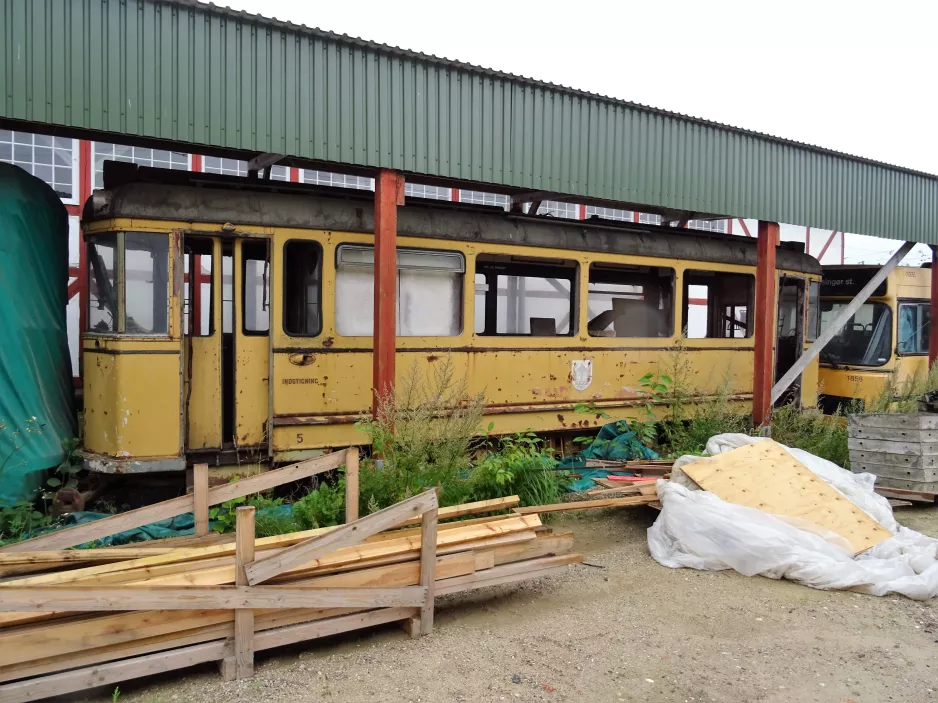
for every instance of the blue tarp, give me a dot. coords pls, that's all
(616, 441)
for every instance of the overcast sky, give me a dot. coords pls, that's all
(858, 77)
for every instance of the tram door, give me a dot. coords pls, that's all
(789, 336)
(227, 323)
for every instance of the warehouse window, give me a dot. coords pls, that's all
(146, 283)
(337, 180)
(302, 277)
(479, 198)
(647, 219)
(225, 167)
(429, 292)
(717, 304)
(608, 213)
(708, 225)
(255, 296)
(48, 158)
(157, 158)
(417, 190)
(279, 173)
(552, 208)
(630, 301)
(523, 296)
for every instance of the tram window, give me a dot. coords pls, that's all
(532, 297)
(913, 328)
(102, 295)
(814, 311)
(429, 292)
(302, 277)
(717, 305)
(255, 296)
(146, 276)
(199, 309)
(630, 301)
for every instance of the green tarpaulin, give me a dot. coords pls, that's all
(37, 413)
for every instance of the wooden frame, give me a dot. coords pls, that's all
(236, 657)
(197, 502)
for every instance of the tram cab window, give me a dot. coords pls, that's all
(864, 340)
(256, 288)
(717, 305)
(522, 296)
(630, 301)
(129, 283)
(302, 277)
(913, 328)
(429, 292)
(814, 311)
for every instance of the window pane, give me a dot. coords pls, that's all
(429, 303)
(34, 153)
(481, 289)
(526, 297)
(146, 288)
(814, 318)
(429, 300)
(866, 338)
(198, 289)
(913, 328)
(256, 294)
(630, 302)
(102, 296)
(302, 262)
(717, 305)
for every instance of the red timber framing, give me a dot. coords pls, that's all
(933, 327)
(389, 193)
(762, 373)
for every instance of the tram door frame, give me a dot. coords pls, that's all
(787, 356)
(226, 405)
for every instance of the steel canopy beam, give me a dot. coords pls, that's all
(389, 193)
(933, 326)
(827, 335)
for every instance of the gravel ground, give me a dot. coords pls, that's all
(623, 628)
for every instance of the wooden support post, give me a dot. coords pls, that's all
(763, 368)
(933, 326)
(428, 568)
(351, 484)
(200, 497)
(389, 188)
(244, 617)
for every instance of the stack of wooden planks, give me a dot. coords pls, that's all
(72, 620)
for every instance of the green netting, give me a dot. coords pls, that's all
(36, 395)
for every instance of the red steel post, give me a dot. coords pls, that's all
(762, 371)
(84, 192)
(389, 186)
(933, 319)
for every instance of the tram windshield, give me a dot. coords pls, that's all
(866, 338)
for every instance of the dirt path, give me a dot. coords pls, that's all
(623, 629)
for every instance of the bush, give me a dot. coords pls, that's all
(896, 397)
(810, 429)
(322, 507)
(522, 467)
(425, 435)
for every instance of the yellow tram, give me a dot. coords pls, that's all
(888, 334)
(230, 319)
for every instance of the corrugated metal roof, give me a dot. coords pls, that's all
(203, 75)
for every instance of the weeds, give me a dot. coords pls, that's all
(904, 397)
(522, 466)
(810, 429)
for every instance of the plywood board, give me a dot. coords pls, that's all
(766, 477)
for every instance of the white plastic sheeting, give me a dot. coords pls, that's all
(696, 529)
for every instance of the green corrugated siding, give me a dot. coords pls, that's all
(203, 75)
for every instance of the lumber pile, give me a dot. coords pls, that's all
(72, 620)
